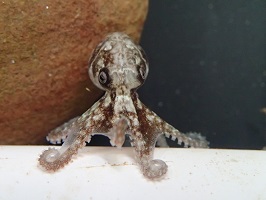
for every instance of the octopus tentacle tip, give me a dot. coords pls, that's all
(52, 160)
(50, 155)
(155, 169)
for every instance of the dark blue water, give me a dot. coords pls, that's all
(208, 69)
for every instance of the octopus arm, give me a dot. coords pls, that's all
(54, 159)
(76, 133)
(59, 135)
(161, 141)
(144, 147)
(193, 140)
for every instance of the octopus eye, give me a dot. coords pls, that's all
(142, 71)
(103, 76)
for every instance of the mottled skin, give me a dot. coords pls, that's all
(119, 67)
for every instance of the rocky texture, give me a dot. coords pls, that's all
(44, 50)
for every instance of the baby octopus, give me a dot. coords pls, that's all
(119, 67)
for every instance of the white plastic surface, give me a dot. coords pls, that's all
(111, 173)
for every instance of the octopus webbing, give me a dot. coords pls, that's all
(119, 67)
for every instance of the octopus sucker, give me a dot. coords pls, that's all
(119, 67)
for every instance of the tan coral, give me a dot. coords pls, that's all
(44, 50)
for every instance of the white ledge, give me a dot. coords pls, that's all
(111, 173)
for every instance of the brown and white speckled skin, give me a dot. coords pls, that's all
(119, 67)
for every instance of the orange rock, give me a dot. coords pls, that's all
(44, 50)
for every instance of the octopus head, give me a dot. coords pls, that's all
(118, 62)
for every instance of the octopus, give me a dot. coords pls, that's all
(119, 67)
